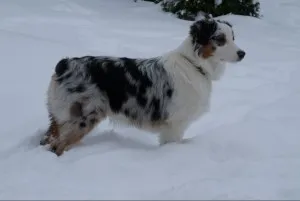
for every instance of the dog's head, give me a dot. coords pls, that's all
(215, 38)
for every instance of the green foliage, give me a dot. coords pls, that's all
(189, 9)
(239, 7)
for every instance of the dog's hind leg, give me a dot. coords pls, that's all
(72, 131)
(70, 134)
(51, 133)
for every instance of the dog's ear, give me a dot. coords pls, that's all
(201, 31)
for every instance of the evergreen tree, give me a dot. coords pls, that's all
(189, 9)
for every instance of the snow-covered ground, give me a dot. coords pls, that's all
(247, 147)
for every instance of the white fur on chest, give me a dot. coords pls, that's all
(192, 90)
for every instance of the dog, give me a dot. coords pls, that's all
(163, 95)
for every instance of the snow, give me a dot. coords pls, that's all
(218, 2)
(246, 147)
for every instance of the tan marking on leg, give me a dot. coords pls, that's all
(54, 128)
(72, 135)
(52, 132)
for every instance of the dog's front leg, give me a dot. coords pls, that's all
(172, 133)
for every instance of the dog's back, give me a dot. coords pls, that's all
(138, 89)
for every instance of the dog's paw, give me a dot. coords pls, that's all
(45, 139)
(186, 141)
(44, 142)
(58, 147)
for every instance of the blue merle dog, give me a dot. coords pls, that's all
(162, 95)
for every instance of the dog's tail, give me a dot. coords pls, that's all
(61, 67)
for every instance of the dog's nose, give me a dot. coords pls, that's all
(241, 54)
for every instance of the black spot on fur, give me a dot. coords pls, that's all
(168, 90)
(79, 89)
(156, 113)
(126, 112)
(135, 72)
(76, 109)
(61, 67)
(82, 125)
(201, 32)
(169, 93)
(142, 80)
(112, 80)
(141, 100)
(132, 90)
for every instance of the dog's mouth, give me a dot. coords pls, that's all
(240, 59)
(232, 61)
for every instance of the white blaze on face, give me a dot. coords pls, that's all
(229, 51)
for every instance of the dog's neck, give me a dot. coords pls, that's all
(211, 68)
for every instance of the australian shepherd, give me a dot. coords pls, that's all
(163, 95)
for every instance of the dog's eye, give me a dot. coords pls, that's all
(219, 39)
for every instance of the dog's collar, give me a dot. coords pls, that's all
(198, 67)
